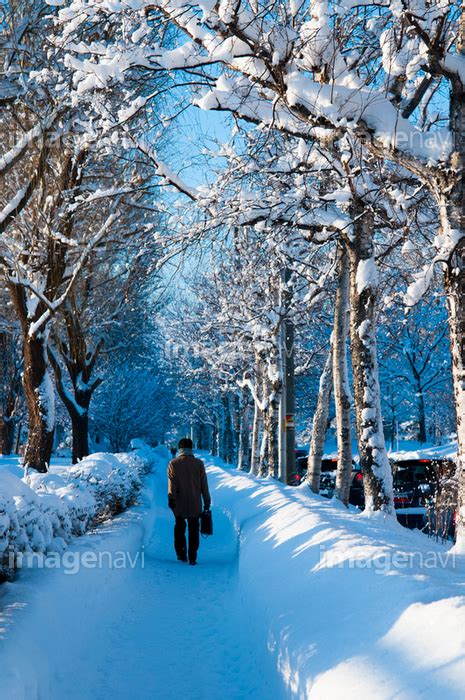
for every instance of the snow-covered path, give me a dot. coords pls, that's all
(312, 601)
(165, 630)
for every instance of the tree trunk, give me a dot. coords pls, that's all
(255, 447)
(243, 458)
(376, 469)
(320, 423)
(342, 398)
(236, 424)
(10, 380)
(77, 407)
(80, 428)
(228, 434)
(18, 437)
(7, 435)
(220, 436)
(287, 397)
(265, 442)
(452, 214)
(273, 440)
(202, 436)
(455, 289)
(422, 436)
(214, 438)
(40, 400)
(257, 428)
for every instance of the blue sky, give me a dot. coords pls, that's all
(196, 130)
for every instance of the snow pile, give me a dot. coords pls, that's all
(41, 512)
(349, 606)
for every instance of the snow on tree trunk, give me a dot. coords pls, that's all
(376, 469)
(342, 398)
(40, 400)
(320, 423)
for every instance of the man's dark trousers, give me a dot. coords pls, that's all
(180, 538)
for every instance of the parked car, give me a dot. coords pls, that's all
(425, 495)
(328, 477)
(425, 491)
(297, 477)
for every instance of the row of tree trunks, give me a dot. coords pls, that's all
(357, 291)
(374, 462)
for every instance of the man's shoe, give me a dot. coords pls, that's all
(184, 559)
(193, 563)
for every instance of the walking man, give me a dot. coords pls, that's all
(187, 486)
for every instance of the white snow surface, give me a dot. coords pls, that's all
(293, 597)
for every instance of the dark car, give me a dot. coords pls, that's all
(425, 495)
(425, 490)
(328, 477)
(297, 477)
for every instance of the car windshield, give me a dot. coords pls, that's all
(413, 473)
(328, 465)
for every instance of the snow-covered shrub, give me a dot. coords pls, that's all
(112, 480)
(71, 506)
(41, 512)
(24, 526)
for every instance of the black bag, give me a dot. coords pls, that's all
(206, 523)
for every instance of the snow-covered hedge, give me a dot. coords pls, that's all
(41, 512)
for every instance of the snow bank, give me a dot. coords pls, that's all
(349, 606)
(41, 512)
